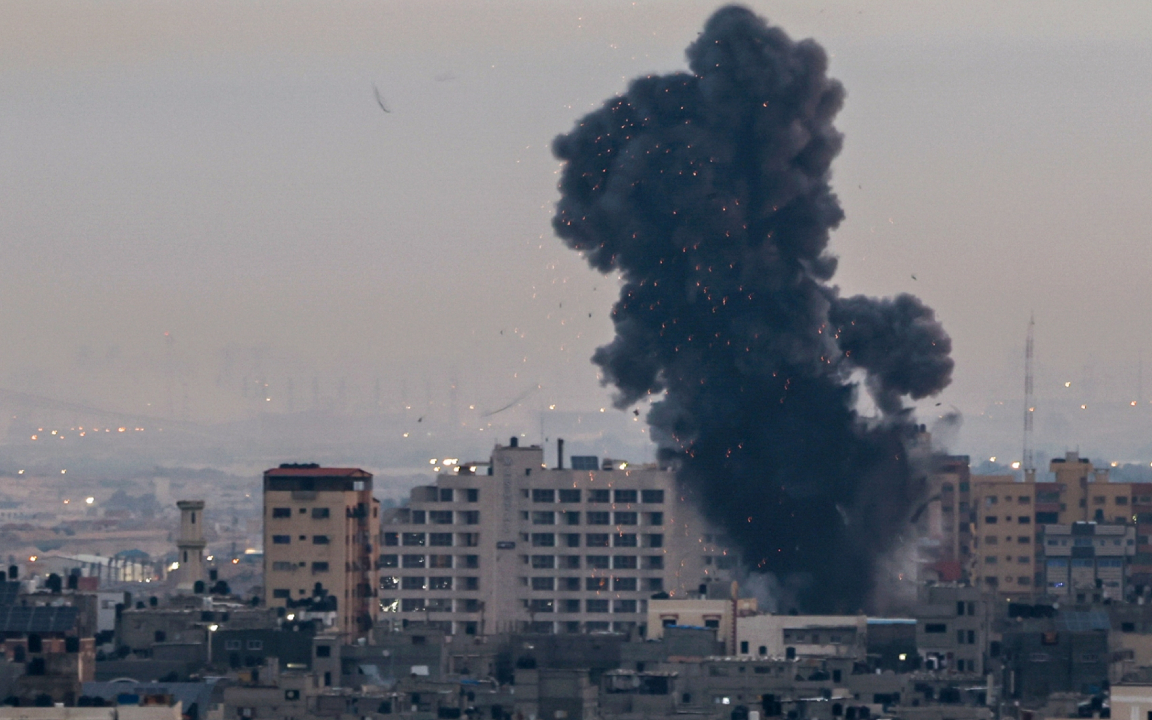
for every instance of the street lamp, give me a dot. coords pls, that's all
(211, 629)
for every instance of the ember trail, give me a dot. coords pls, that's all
(709, 193)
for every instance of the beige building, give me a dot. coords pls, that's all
(792, 636)
(717, 614)
(1004, 534)
(320, 540)
(1131, 702)
(509, 544)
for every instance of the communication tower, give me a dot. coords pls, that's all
(1029, 405)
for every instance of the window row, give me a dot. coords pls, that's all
(432, 561)
(419, 539)
(318, 513)
(287, 539)
(653, 497)
(317, 567)
(590, 606)
(594, 562)
(463, 605)
(412, 582)
(592, 517)
(594, 540)
(440, 517)
(595, 584)
(456, 494)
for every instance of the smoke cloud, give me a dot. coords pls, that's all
(709, 194)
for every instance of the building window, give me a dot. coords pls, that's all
(1024, 519)
(654, 541)
(572, 540)
(625, 540)
(323, 651)
(255, 644)
(471, 583)
(654, 562)
(540, 606)
(471, 561)
(543, 517)
(990, 519)
(572, 518)
(596, 584)
(543, 583)
(624, 584)
(935, 628)
(543, 562)
(281, 594)
(625, 518)
(624, 562)
(597, 562)
(652, 496)
(472, 495)
(412, 582)
(599, 496)
(413, 539)
(543, 540)
(413, 561)
(598, 518)
(655, 518)
(572, 562)
(624, 606)
(412, 604)
(625, 496)
(391, 538)
(389, 561)
(569, 496)
(319, 567)
(440, 517)
(596, 606)
(471, 517)
(440, 539)
(572, 606)
(543, 496)
(319, 513)
(440, 583)
(284, 566)
(445, 494)
(281, 512)
(571, 583)
(440, 562)
(596, 540)
(281, 539)
(655, 584)
(319, 539)
(418, 517)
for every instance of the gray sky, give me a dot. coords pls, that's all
(221, 172)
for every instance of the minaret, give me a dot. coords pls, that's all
(190, 544)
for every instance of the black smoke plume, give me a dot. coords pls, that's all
(708, 193)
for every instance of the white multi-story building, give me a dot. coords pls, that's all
(509, 544)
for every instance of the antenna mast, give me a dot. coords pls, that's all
(1029, 405)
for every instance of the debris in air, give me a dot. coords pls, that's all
(380, 100)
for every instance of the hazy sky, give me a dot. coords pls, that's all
(221, 172)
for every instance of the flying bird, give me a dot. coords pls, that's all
(913, 277)
(380, 100)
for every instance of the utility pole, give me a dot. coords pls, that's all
(1029, 405)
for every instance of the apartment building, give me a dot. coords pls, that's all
(1086, 561)
(1004, 534)
(321, 530)
(508, 545)
(952, 628)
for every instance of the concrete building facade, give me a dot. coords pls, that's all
(1086, 561)
(321, 534)
(510, 545)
